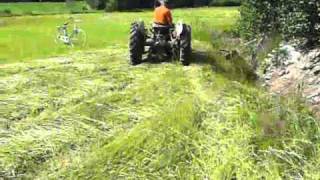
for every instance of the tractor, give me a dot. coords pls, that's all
(160, 42)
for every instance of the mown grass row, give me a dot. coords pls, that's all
(93, 116)
(59, 102)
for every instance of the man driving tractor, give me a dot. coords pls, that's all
(163, 41)
(162, 13)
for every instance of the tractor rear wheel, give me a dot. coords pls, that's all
(136, 44)
(185, 45)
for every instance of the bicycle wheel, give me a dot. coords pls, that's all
(79, 38)
(57, 38)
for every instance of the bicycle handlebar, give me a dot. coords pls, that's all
(68, 22)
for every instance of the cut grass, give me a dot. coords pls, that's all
(91, 115)
(32, 37)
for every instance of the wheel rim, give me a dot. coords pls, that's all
(57, 39)
(79, 38)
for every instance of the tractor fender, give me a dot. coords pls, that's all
(179, 28)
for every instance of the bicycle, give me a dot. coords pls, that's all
(77, 37)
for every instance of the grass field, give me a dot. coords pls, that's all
(18, 9)
(32, 37)
(90, 115)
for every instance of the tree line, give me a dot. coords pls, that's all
(136, 4)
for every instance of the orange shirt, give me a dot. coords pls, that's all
(162, 15)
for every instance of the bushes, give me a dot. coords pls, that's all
(297, 19)
(259, 17)
(301, 19)
(111, 5)
(5, 12)
(97, 4)
(225, 3)
(128, 4)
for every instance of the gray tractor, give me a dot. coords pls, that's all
(160, 42)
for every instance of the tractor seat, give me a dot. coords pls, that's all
(161, 28)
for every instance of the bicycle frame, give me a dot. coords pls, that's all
(64, 34)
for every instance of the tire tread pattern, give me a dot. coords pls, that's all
(136, 46)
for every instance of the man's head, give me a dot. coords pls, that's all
(163, 2)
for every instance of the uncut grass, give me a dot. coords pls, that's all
(32, 37)
(10, 9)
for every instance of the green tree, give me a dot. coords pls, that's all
(294, 19)
(97, 4)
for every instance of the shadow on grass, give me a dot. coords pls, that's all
(156, 60)
(132, 10)
(234, 67)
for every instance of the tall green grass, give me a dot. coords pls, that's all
(29, 8)
(28, 37)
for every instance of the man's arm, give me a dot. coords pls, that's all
(169, 18)
(155, 15)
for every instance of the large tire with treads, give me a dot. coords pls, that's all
(136, 43)
(185, 45)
